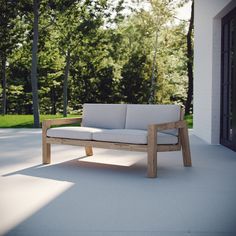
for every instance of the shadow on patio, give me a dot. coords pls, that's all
(108, 194)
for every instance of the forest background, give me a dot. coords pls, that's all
(57, 55)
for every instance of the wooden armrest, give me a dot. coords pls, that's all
(61, 121)
(169, 125)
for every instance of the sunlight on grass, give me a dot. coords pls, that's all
(27, 121)
(189, 119)
(24, 121)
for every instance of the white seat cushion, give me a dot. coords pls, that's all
(166, 138)
(139, 116)
(133, 136)
(84, 133)
(107, 116)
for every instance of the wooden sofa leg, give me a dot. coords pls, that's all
(89, 150)
(46, 147)
(184, 138)
(46, 153)
(152, 153)
(152, 165)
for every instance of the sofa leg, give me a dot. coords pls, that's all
(152, 153)
(184, 137)
(46, 147)
(46, 153)
(152, 165)
(89, 150)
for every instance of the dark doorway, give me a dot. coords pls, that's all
(228, 81)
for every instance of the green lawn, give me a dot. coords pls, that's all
(189, 119)
(26, 121)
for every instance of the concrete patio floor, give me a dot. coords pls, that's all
(109, 194)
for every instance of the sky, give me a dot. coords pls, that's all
(184, 12)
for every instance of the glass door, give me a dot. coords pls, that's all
(228, 81)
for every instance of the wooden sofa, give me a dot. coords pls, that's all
(133, 127)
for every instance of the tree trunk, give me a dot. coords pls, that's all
(53, 101)
(190, 63)
(65, 85)
(152, 98)
(34, 79)
(4, 85)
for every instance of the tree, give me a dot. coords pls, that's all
(145, 30)
(34, 79)
(73, 33)
(189, 99)
(10, 36)
(4, 84)
(65, 84)
(93, 57)
(134, 83)
(161, 14)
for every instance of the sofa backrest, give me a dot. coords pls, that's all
(139, 116)
(107, 116)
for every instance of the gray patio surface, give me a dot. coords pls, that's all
(109, 194)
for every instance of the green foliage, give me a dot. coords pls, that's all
(24, 121)
(134, 83)
(111, 54)
(189, 120)
(10, 30)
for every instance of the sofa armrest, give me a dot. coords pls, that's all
(61, 121)
(46, 125)
(169, 125)
(154, 128)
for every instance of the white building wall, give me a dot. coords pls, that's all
(207, 46)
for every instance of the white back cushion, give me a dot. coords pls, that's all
(140, 116)
(108, 116)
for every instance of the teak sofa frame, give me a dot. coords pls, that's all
(151, 147)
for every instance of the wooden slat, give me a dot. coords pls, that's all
(184, 137)
(152, 152)
(169, 125)
(98, 144)
(61, 121)
(116, 146)
(182, 112)
(168, 147)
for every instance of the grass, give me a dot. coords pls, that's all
(24, 121)
(27, 121)
(189, 120)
